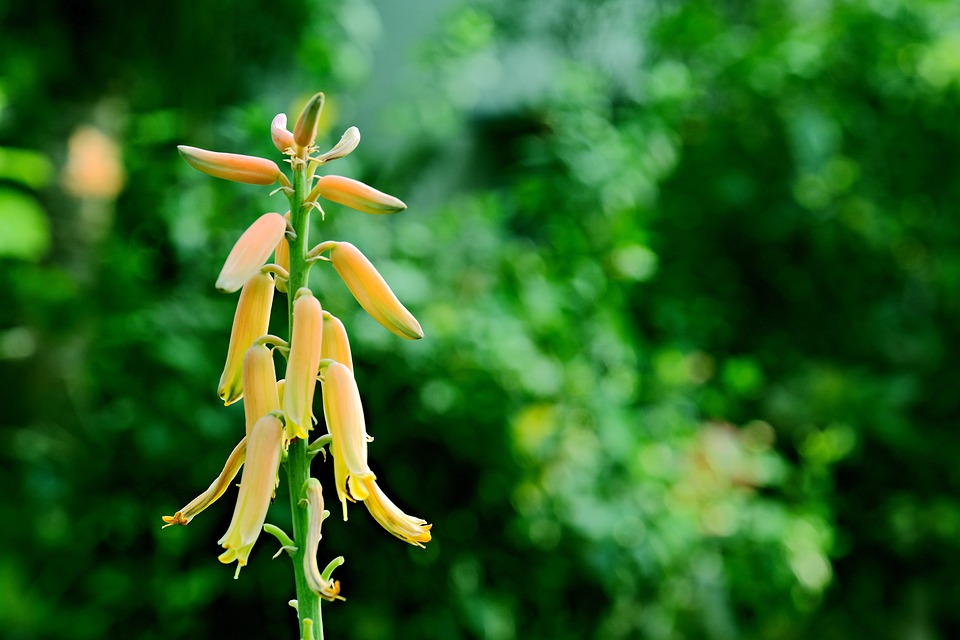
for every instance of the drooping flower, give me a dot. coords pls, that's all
(257, 484)
(250, 321)
(232, 166)
(357, 195)
(348, 142)
(251, 251)
(214, 491)
(301, 380)
(326, 589)
(415, 531)
(343, 412)
(260, 395)
(372, 291)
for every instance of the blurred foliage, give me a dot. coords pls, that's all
(688, 273)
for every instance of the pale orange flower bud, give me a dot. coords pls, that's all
(326, 589)
(251, 251)
(336, 344)
(305, 131)
(282, 139)
(257, 484)
(260, 395)
(357, 195)
(348, 142)
(415, 531)
(231, 166)
(303, 363)
(250, 321)
(344, 415)
(372, 291)
(214, 491)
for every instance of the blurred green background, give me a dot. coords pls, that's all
(689, 274)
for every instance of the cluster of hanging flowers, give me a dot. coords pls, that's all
(280, 411)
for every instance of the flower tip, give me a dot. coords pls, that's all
(305, 131)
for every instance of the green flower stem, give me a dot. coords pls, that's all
(298, 460)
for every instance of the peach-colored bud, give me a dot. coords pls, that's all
(348, 142)
(415, 531)
(336, 344)
(231, 166)
(214, 491)
(250, 321)
(304, 361)
(357, 195)
(372, 291)
(305, 131)
(282, 139)
(251, 251)
(260, 395)
(257, 484)
(326, 589)
(343, 412)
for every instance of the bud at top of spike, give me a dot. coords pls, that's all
(305, 131)
(372, 291)
(231, 166)
(357, 195)
(282, 138)
(348, 142)
(250, 321)
(251, 251)
(303, 363)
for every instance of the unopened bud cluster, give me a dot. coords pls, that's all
(280, 411)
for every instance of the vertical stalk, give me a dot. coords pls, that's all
(298, 462)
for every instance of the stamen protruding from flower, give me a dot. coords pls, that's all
(256, 490)
(305, 131)
(260, 395)
(410, 529)
(305, 346)
(357, 195)
(251, 251)
(348, 142)
(214, 491)
(232, 166)
(282, 139)
(372, 292)
(325, 588)
(335, 344)
(344, 415)
(250, 321)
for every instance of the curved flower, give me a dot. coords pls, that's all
(372, 291)
(214, 491)
(282, 139)
(326, 589)
(410, 529)
(251, 251)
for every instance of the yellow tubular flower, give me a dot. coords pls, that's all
(344, 415)
(372, 292)
(256, 489)
(357, 195)
(302, 365)
(249, 323)
(214, 491)
(336, 344)
(260, 395)
(251, 251)
(232, 166)
(326, 589)
(415, 531)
